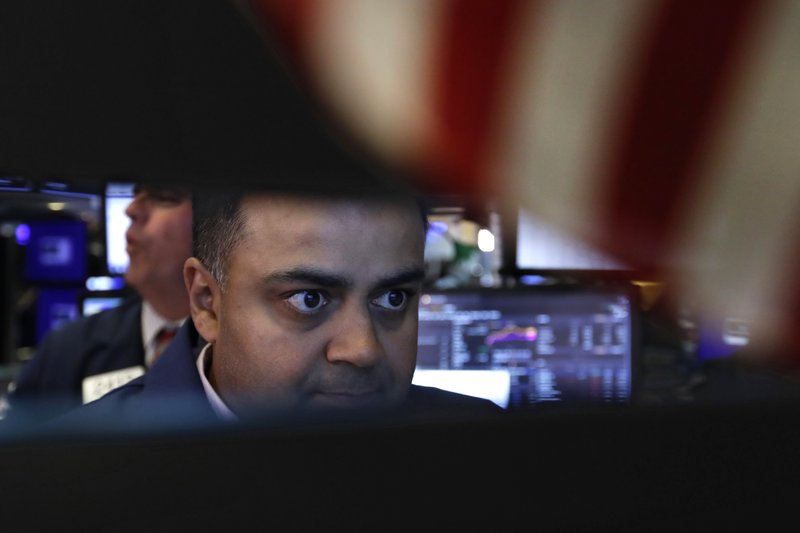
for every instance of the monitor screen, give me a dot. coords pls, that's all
(721, 337)
(54, 307)
(542, 246)
(117, 197)
(532, 345)
(92, 304)
(56, 251)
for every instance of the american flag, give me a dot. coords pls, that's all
(664, 132)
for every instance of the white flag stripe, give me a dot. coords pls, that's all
(373, 61)
(743, 222)
(571, 62)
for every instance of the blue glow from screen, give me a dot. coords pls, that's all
(23, 234)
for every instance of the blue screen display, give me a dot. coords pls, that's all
(54, 307)
(56, 251)
(118, 197)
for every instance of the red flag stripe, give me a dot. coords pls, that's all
(678, 89)
(568, 66)
(292, 21)
(469, 62)
(747, 209)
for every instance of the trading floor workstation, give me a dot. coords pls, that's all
(622, 400)
(605, 392)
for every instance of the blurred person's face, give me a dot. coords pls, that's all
(319, 307)
(159, 238)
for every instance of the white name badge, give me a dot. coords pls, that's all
(96, 386)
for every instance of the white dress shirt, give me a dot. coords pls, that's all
(217, 405)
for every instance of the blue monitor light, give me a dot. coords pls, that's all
(23, 234)
(56, 251)
(533, 279)
(104, 283)
(15, 183)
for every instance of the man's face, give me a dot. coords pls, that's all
(320, 307)
(159, 238)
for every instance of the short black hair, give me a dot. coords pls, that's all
(218, 220)
(217, 227)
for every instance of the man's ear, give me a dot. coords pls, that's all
(204, 298)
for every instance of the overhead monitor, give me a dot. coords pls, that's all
(117, 197)
(56, 251)
(93, 303)
(541, 246)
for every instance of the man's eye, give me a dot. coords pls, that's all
(393, 300)
(307, 301)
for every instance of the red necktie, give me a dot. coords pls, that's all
(163, 337)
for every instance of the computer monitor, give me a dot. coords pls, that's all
(116, 199)
(54, 307)
(56, 251)
(94, 302)
(531, 345)
(541, 246)
(721, 337)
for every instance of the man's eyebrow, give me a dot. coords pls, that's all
(408, 275)
(327, 279)
(309, 275)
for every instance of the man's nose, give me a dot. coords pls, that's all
(136, 210)
(355, 338)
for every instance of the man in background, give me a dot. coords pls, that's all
(84, 359)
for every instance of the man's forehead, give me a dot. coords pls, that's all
(350, 239)
(315, 224)
(310, 200)
(282, 209)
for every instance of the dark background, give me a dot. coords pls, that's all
(180, 90)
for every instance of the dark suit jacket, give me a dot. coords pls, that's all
(50, 383)
(170, 396)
